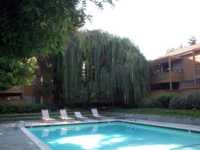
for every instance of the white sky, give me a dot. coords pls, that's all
(153, 25)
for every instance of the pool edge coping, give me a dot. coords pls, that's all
(41, 145)
(176, 126)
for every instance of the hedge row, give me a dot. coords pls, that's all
(173, 101)
(25, 108)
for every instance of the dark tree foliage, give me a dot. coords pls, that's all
(192, 41)
(32, 28)
(49, 78)
(16, 72)
(37, 26)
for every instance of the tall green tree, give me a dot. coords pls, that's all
(32, 28)
(114, 69)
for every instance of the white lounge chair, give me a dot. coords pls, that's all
(78, 115)
(45, 115)
(64, 115)
(95, 113)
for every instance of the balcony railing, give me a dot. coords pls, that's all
(164, 77)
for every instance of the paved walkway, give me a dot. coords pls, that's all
(13, 139)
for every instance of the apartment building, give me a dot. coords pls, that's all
(179, 69)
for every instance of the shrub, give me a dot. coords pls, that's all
(193, 100)
(165, 98)
(160, 101)
(171, 100)
(19, 108)
(179, 102)
(186, 101)
(150, 103)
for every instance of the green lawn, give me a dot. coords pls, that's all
(36, 116)
(146, 111)
(158, 111)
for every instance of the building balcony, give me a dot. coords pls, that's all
(197, 71)
(164, 77)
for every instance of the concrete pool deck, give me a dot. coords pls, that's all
(194, 128)
(12, 137)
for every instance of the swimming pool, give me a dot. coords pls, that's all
(115, 136)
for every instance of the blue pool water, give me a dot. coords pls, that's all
(115, 136)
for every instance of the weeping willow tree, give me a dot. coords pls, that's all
(99, 67)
